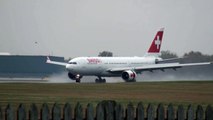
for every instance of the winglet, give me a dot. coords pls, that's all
(55, 62)
(48, 59)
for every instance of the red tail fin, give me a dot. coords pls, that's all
(156, 43)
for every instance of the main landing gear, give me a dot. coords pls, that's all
(100, 80)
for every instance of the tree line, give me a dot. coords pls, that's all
(192, 56)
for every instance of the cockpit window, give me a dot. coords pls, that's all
(73, 63)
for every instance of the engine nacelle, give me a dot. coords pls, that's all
(129, 75)
(74, 77)
(71, 76)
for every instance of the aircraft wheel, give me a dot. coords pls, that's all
(103, 80)
(131, 80)
(97, 81)
(100, 80)
(78, 80)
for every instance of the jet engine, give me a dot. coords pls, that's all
(71, 76)
(129, 75)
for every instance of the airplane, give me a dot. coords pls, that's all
(125, 67)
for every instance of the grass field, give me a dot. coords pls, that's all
(184, 93)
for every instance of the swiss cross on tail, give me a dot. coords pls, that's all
(156, 43)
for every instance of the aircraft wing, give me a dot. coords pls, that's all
(157, 67)
(55, 62)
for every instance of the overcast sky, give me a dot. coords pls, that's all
(72, 28)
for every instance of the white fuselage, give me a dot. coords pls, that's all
(98, 66)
